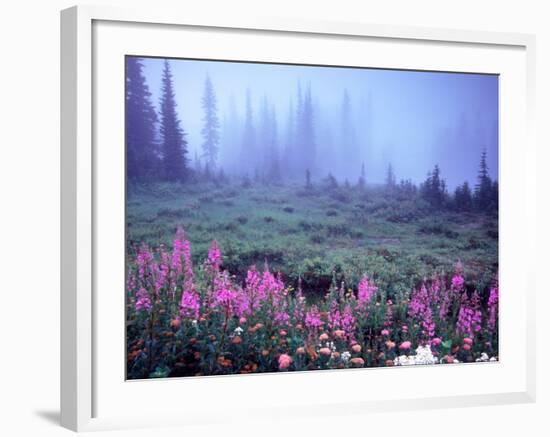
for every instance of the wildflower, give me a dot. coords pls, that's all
(224, 294)
(238, 330)
(466, 347)
(313, 318)
(405, 345)
(323, 337)
(242, 320)
(469, 315)
(237, 340)
(457, 283)
(348, 322)
(467, 340)
(346, 355)
(339, 333)
(436, 341)
(390, 344)
(356, 348)
(301, 350)
(215, 256)
(143, 301)
(365, 292)
(357, 361)
(492, 307)
(283, 333)
(175, 323)
(284, 361)
(385, 332)
(325, 351)
(189, 304)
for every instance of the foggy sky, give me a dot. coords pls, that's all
(412, 119)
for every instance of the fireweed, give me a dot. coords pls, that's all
(185, 320)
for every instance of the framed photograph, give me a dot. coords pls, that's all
(279, 212)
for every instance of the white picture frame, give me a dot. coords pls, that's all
(84, 176)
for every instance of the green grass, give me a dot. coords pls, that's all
(318, 234)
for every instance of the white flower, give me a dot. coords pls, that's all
(423, 356)
(238, 330)
(346, 356)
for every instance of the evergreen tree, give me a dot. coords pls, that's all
(308, 179)
(248, 149)
(174, 144)
(483, 194)
(463, 198)
(348, 149)
(434, 189)
(274, 169)
(307, 132)
(210, 131)
(390, 178)
(142, 157)
(362, 180)
(407, 188)
(288, 158)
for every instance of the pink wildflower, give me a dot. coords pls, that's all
(405, 345)
(143, 301)
(215, 256)
(284, 361)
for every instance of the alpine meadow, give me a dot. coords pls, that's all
(285, 217)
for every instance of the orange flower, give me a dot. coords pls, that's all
(237, 340)
(339, 333)
(175, 323)
(390, 344)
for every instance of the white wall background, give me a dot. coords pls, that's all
(29, 211)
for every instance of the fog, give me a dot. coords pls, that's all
(333, 120)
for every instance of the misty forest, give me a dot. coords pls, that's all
(285, 217)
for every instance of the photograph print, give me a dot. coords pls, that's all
(284, 217)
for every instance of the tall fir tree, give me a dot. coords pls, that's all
(390, 178)
(307, 133)
(483, 194)
(142, 155)
(211, 125)
(362, 177)
(348, 149)
(274, 169)
(434, 189)
(287, 160)
(174, 144)
(463, 197)
(248, 147)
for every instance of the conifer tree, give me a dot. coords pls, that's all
(390, 177)
(248, 148)
(463, 198)
(174, 144)
(483, 194)
(142, 155)
(362, 179)
(211, 125)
